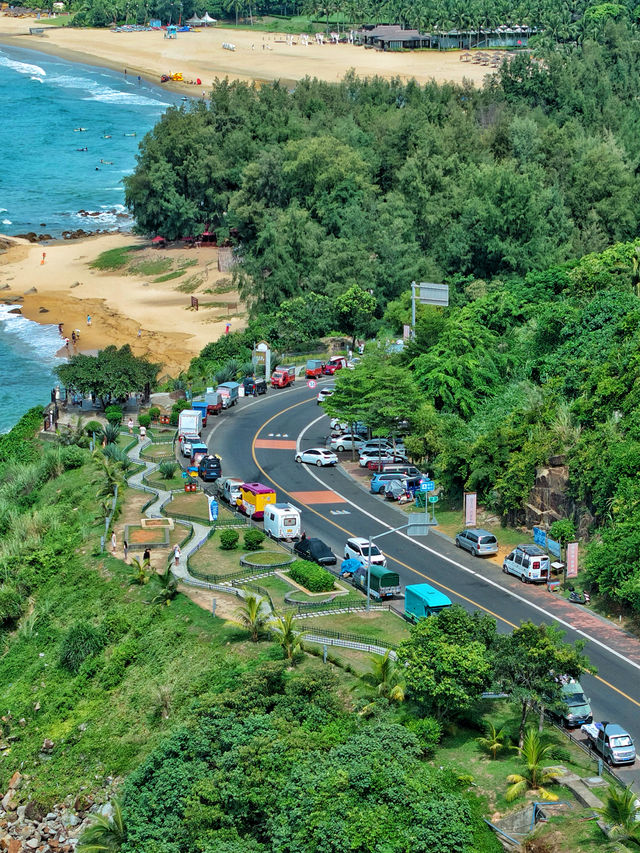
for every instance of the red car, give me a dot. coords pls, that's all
(330, 369)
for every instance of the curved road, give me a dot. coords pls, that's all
(257, 440)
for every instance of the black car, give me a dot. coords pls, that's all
(209, 468)
(254, 387)
(316, 551)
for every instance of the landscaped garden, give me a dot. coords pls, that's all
(214, 560)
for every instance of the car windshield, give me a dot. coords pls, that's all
(576, 699)
(374, 552)
(620, 740)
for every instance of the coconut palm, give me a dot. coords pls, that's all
(620, 811)
(493, 740)
(533, 753)
(286, 634)
(109, 474)
(141, 570)
(168, 587)
(386, 679)
(253, 615)
(106, 834)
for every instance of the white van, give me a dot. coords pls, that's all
(281, 521)
(529, 563)
(229, 490)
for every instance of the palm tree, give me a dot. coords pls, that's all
(253, 615)
(287, 636)
(493, 740)
(109, 475)
(141, 571)
(386, 679)
(105, 834)
(621, 813)
(73, 435)
(168, 587)
(535, 776)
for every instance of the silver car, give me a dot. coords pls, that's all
(479, 542)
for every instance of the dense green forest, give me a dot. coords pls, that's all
(555, 21)
(523, 196)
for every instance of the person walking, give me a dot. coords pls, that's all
(146, 557)
(130, 425)
(143, 433)
(176, 555)
(114, 542)
(88, 319)
(125, 548)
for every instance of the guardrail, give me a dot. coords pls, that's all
(351, 638)
(231, 576)
(347, 606)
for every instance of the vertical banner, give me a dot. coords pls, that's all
(572, 560)
(470, 509)
(406, 332)
(213, 509)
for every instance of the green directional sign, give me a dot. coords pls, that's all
(433, 499)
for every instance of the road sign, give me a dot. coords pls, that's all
(427, 486)
(312, 383)
(433, 499)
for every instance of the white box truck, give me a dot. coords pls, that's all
(190, 422)
(281, 521)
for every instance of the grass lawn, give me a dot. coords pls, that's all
(157, 451)
(195, 504)
(377, 625)
(157, 480)
(212, 560)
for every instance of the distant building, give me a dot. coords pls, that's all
(395, 37)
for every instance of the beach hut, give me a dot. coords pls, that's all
(207, 19)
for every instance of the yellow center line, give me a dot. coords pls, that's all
(394, 559)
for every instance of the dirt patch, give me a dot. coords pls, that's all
(143, 536)
(226, 605)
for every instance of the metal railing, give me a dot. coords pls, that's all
(347, 606)
(350, 638)
(232, 575)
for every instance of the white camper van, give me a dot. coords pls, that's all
(282, 521)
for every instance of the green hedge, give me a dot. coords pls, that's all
(311, 576)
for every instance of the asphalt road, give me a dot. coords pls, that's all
(256, 441)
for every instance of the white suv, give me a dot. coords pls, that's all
(357, 548)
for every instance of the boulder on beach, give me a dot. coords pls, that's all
(43, 310)
(30, 291)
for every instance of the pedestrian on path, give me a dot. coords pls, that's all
(143, 433)
(146, 557)
(125, 548)
(176, 555)
(88, 319)
(114, 542)
(130, 425)
(44, 255)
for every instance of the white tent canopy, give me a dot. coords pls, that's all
(207, 19)
(194, 20)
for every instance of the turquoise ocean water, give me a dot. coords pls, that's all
(45, 181)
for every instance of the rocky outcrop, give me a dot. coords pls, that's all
(25, 827)
(549, 499)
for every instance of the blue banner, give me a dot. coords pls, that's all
(213, 509)
(540, 538)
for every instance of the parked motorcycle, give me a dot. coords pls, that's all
(579, 598)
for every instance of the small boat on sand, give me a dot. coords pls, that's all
(79, 129)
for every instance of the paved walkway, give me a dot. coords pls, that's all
(154, 510)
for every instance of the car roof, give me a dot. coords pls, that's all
(359, 540)
(532, 550)
(614, 729)
(480, 531)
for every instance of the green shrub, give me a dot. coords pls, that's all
(113, 414)
(122, 656)
(93, 426)
(81, 641)
(167, 469)
(112, 433)
(253, 539)
(10, 606)
(311, 576)
(154, 413)
(428, 732)
(72, 457)
(174, 418)
(229, 539)
(144, 420)
(180, 406)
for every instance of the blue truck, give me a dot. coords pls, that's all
(422, 600)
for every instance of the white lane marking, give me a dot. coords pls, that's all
(453, 562)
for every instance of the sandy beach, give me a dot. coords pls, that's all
(258, 55)
(65, 290)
